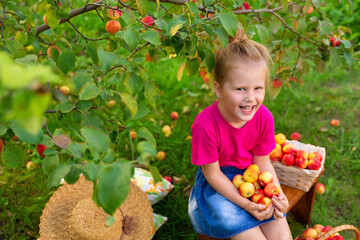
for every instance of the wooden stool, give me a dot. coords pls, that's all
(300, 204)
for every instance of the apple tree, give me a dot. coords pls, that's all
(73, 82)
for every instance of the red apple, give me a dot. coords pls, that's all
(49, 51)
(314, 164)
(301, 162)
(288, 159)
(265, 201)
(326, 229)
(289, 149)
(338, 237)
(302, 153)
(133, 134)
(40, 149)
(1, 144)
(272, 189)
(315, 155)
(174, 115)
(318, 227)
(203, 73)
(114, 14)
(276, 83)
(320, 188)
(238, 180)
(247, 189)
(265, 178)
(148, 58)
(148, 20)
(206, 79)
(310, 233)
(44, 19)
(276, 155)
(168, 179)
(309, 10)
(112, 26)
(295, 136)
(160, 155)
(335, 42)
(246, 5)
(257, 195)
(335, 122)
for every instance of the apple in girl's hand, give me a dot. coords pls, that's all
(310, 233)
(315, 155)
(318, 227)
(257, 185)
(265, 178)
(289, 149)
(247, 189)
(302, 153)
(257, 195)
(276, 155)
(295, 136)
(174, 115)
(250, 175)
(320, 188)
(265, 201)
(301, 162)
(255, 167)
(272, 189)
(238, 180)
(314, 164)
(288, 159)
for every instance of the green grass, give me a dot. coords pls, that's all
(307, 109)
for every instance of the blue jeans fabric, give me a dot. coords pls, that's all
(212, 214)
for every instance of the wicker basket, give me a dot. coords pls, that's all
(297, 177)
(336, 230)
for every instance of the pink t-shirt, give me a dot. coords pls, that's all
(215, 139)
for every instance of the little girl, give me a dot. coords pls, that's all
(228, 136)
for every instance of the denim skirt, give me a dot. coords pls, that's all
(212, 214)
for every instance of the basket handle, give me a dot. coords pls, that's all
(339, 229)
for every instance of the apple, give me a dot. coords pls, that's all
(40, 149)
(206, 79)
(289, 149)
(44, 19)
(295, 136)
(203, 73)
(265, 178)
(255, 167)
(169, 179)
(276, 155)
(257, 195)
(278, 146)
(318, 227)
(149, 21)
(238, 180)
(320, 188)
(247, 189)
(112, 26)
(335, 42)
(111, 103)
(148, 58)
(245, 6)
(257, 185)
(250, 175)
(276, 83)
(337, 237)
(326, 229)
(114, 14)
(265, 201)
(1, 144)
(314, 164)
(272, 189)
(166, 129)
(288, 159)
(302, 153)
(174, 115)
(15, 138)
(301, 162)
(315, 155)
(49, 52)
(309, 10)
(65, 90)
(31, 166)
(160, 155)
(310, 233)
(280, 138)
(335, 122)
(133, 134)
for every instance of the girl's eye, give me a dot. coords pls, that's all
(240, 89)
(258, 88)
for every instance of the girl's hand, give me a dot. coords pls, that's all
(281, 205)
(259, 211)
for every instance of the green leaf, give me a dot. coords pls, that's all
(109, 157)
(77, 149)
(80, 79)
(143, 132)
(263, 33)
(50, 162)
(141, 112)
(152, 93)
(84, 105)
(229, 22)
(326, 27)
(193, 8)
(209, 60)
(57, 174)
(66, 61)
(89, 91)
(275, 24)
(107, 59)
(21, 37)
(15, 48)
(3, 129)
(242, 19)
(32, 58)
(221, 33)
(73, 175)
(191, 66)
(133, 83)
(25, 136)
(174, 25)
(113, 186)
(52, 17)
(92, 119)
(129, 101)
(131, 37)
(97, 140)
(129, 17)
(143, 6)
(335, 58)
(349, 58)
(12, 155)
(93, 53)
(152, 37)
(65, 107)
(155, 174)
(110, 220)
(146, 147)
(284, 3)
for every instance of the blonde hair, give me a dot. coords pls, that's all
(240, 49)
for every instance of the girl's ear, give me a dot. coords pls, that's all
(217, 88)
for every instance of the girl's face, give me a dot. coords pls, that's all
(243, 92)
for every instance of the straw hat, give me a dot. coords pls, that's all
(71, 214)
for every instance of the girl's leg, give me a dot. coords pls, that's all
(277, 230)
(251, 234)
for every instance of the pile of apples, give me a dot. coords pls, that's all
(317, 231)
(287, 154)
(257, 186)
